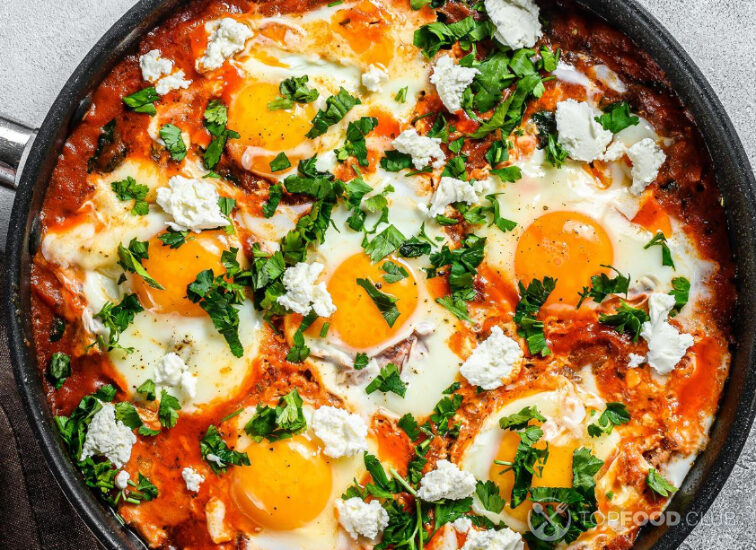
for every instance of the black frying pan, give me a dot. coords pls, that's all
(38, 156)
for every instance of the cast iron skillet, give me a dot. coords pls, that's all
(734, 176)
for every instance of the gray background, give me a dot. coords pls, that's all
(43, 40)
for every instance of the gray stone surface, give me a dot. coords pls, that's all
(43, 40)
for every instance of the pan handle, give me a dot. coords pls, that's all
(15, 141)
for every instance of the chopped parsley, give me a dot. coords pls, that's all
(216, 119)
(401, 95)
(531, 300)
(174, 141)
(280, 422)
(142, 101)
(355, 144)
(658, 484)
(615, 414)
(59, 369)
(463, 264)
(281, 162)
(626, 319)
(130, 259)
(168, 410)
(116, 319)
(293, 90)
(617, 117)
(661, 241)
(602, 286)
(217, 454)
(681, 292)
(275, 193)
(394, 272)
(337, 106)
(388, 380)
(488, 494)
(383, 244)
(172, 238)
(385, 303)
(129, 189)
(545, 122)
(520, 420)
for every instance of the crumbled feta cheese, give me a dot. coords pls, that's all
(579, 133)
(358, 517)
(326, 162)
(451, 190)
(172, 82)
(153, 66)
(344, 434)
(228, 38)
(666, 345)
(451, 81)
(422, 149)
(614, 152)
(647, 157)
(516, 22)
(490, 539)
(108, 437)
(172, 371)
(494, 362)
(374, 77)
(122, 479)
(302, 294)
(192, 203)
(447, 481)
(462, 525)
(634, 360)
(192, 478)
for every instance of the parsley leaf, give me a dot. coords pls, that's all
(280, 422)
(116, 319)
(410, 426)
(59, 369)
(293, 90)
(532, 298)
(383, 244)
(337, 106)
(681, 291)
(615, 414)
(437, 35)
(661, 241)
(129, 189)
(218, 297)
(275, 193)
(217, 454)
(385, 303)
(527, 462)
(617, 117)
(142, 101)
(626, 319)
(488, 494)
(127, 413)
(456, 305)
(602, 286)
(148, 389)
(174, 141)
(131, 258)
(394, 272)
(444, 411)
(388, 381)
(281, 162)
(355, 139)
(401, 95)
(545, 122)
(394, 161)
(167, 413)
(658, 484)
(216, 118)
(520, 420)
(173, 238)
(510, 174)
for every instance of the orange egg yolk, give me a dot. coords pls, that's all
(366, 28)
(176, 268)
(286, 486)
(357, 321)
(557, 472)
(265, 133)
(567, 246)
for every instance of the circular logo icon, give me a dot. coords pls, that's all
(549, 523)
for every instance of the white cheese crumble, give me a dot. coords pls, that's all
(634, 360)
(326, 162)
(122, 479)
(579, 133)
(422, 149)
(490, 539)
(494, 362)
(172, 82)
(451, 81)
(666, 345)
(153, 66)
(108, 437)
(374, 78)
(451, 190)
(192, 478)
(647, 157)
(172, 371)
(343, 433)
(447, 481)
(358, 517)
(615, 151)
(192, 203)
(516, 22)
(228, 38)
(302, 294)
